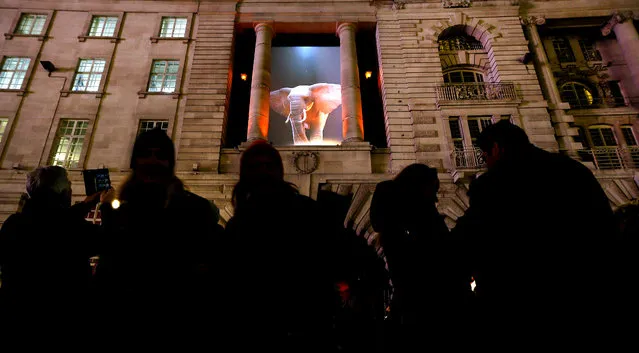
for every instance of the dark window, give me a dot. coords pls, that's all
(477, 124)
(577, 94)
(563, 50)
(462, 76)
(629, 135)
(455, 133)
(588, 49)
(616, 95)
(602, 136)
(460, 43)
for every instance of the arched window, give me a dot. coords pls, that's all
(463, 76)
(577, 94)
(459, 42)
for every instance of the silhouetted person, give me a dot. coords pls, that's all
(359, 276)
(44, 256)
(430, 283)
(155, 267)
(279, 293)
(539, 229)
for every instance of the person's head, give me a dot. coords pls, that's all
(261, 161)
(502, 140)
(50, 185)
(418, 180)
(153, 158)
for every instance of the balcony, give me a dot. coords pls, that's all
(612, 157)
(468, 158)
(474, 93)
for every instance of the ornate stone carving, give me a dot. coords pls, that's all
(398, 5)
(617, 17)
(305, 162)
(532, 20)
(456, 3)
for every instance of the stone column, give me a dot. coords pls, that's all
(352, 121)
(259, 104)
(628, 39)
(561, 121)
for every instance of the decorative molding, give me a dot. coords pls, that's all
(475, 27)
(398, 5)
(456, 3)
(532, 20)
(305, 162)
(617, 17)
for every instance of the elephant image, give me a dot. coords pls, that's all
(307, 107)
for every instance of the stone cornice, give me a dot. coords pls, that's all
(617, 17)
(532, 20)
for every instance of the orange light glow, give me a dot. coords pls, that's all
(368, 74)
(243, 77)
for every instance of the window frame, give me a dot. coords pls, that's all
(27, 76)
(599, 127)
(87, 26)
(593, 94)
(625, 127)
(16, 22)
(55, 142)
(568, 46)
(105, 76)
(178, 82)
(10, 116)
(446, 74)
(155, 121)
(158, 26)
(586, 41)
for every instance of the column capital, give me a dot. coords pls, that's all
(617, 17)
(344, 26)
(532, 20)
(263, 26)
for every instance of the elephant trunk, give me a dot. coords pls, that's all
(297, 118)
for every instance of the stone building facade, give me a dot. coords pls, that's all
(81, 79)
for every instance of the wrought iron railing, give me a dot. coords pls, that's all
(468, 158)
(613, 157)
(479, 91)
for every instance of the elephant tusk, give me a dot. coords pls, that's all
(288, 118)
(310, 106)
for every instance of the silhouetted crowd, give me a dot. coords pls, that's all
(538, 261)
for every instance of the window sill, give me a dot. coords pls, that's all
(21, 92)
(84, 38)
(143, 94)
(98, 94)
(184, 40)
(9, 36)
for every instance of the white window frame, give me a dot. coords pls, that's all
(172, 33)
(88, 24)
(18, 19)
(154, 124)
(75, 138)
(163, 88)
(178, 15)
(36, 18)
(90, 74)
(95, 23)
(13, 72)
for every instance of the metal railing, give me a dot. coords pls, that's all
(479, 91)
(612, 157)
(468, 158)
(593, 103)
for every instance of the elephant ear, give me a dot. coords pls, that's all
(279, 101)
(327, 96)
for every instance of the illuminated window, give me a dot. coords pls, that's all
(463, 76)
(477, 124)
(456, 132)
(13, 72)
(563, 50)
(31, 24)
(163, 76)
(173, 27)
(89, 75)
(3, 127)
(69, 142)
(577, 94)
(146, 125)
(103, 26)
(629, 135)
(588, 49)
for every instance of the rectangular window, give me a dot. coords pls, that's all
(89, 75)
(173, 27)
(628, 135)
(602, 137)
(163, 76)
(146, 125)
(563, 50)
(3, 127)
(69, 142)
(31, 24)
(616, 96)
(455, 133)
(477, 124)
(103, 26)
(13, 72)
(588, 49)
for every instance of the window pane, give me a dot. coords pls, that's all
(479, 77)
(17, 80)
(98, 66)
(23, 64)
(446, 79)
(10, 64)
(468, 76)
(180, 28)
(455, 131)
(173, 67)
(26, 24)
(85, 66)
(168, 24)
(563, 50)
(97, 26)
(5, 79)
(609, 137)
(169, 83)
(80, 82)
(589, 51)
(38, 26)
(455, 77)
(159, 67)
(94, 82)
(473, 128)
(629, 136)
(3, 127)
(164, 126)
(109, 27)
(155, 84)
